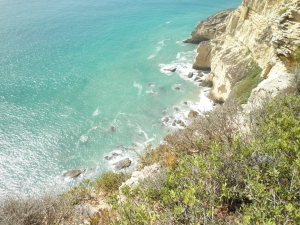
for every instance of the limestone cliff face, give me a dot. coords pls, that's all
(265, 31)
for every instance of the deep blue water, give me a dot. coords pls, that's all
(71, 69)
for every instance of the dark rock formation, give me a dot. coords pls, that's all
(122, 164)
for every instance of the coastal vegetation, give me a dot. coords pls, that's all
(220, 170)
(230, 177)
(242, 89)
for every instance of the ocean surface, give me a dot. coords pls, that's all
(71, 70)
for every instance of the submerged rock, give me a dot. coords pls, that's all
(73, 173)
(112, 128)
(122, 164)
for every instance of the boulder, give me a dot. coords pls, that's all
(177, 88)
(166, 119)
(190, 75)
(171, 69)
(73, 173)
(200, 74)
(192, 114)
(122, 164)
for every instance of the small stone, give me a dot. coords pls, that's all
(177, 88)
(173, 124)
(190, 75)
(166, 119)
(176, 108)
(182, 124)
(112, 128)
(178, 121)
(200, 74)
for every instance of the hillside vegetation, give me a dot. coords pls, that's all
(226, 174)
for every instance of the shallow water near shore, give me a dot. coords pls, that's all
(72, 69)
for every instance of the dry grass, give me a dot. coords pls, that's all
(48, 209)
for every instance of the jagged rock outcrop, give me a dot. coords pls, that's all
(264, 31)
(209, 28)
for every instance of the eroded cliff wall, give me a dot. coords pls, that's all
(264, 31)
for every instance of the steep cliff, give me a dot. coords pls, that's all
(266, 32)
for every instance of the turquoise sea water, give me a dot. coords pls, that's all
(71, 69)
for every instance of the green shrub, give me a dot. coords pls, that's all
(110, 181)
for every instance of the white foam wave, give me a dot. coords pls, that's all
(158, 48)
(96, 112)
(151, 56)
(151, 92)
(183, 64)
(84, 138)
(138, 86)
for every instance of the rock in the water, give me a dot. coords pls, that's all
(193, 114)
(166, 119)
(200, 74)
(190, 75)
(112, 128)
(177, 88)
(122, 164)
(176, 108)
(113, 154)
(171, 69)
(73, 173)
(173, 124)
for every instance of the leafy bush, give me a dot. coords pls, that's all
(110, 181)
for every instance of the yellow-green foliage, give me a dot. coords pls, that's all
(254, 180)
(242, 89)
(110, 181)
(282, 11)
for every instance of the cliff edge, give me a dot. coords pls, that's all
(264, 32)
